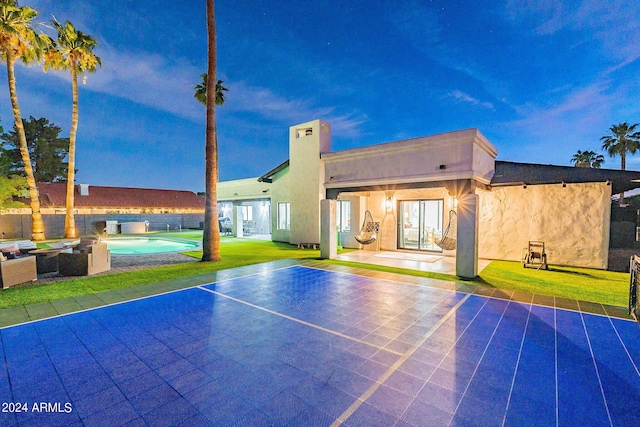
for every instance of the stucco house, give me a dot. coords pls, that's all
(410, 186)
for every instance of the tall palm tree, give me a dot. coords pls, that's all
(587, 159)
(211, 235)
(201, 91)
(622, 139)
(73, 50)
(19, 41)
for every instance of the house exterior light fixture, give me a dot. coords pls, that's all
(388, 204)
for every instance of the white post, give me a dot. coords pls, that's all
(237, 221)
(328, 234)
(467, 244)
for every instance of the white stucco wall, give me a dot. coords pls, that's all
(573, 221)
(280, 193)
(461, 154)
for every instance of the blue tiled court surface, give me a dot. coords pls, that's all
(300, 346)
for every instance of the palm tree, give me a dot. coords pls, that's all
(201, 91)
(18, 41)
(72, 51)
(621, 140)
(211, 235)
(587, 159)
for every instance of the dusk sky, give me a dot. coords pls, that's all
(540, 79)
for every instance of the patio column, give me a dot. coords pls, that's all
(328, 233)
(237, 220)
(467, 245)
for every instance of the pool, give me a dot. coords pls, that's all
(147, 245)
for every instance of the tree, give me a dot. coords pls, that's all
(211, 235)
(46, 150)
(73, 51)
(622, 139)
(587, 159)
(18, 41)
(12, 187)
(201, 91)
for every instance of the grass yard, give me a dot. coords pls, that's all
(575, 283)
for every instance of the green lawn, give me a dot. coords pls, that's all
(574, 283)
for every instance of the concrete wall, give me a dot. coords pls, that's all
(19, 226)
(572, 221)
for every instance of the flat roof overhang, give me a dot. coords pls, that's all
(513, 174)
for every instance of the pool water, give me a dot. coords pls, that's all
(146, 245)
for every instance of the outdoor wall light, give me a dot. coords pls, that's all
(389, 204)
(564, 184)
(524, 186)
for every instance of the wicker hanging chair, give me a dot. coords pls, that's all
(448, 241)
(367, 234)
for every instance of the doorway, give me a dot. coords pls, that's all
(420, 224)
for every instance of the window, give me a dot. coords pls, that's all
(284, 216)
(247, 213)
(343, 215)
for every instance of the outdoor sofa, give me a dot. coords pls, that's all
(17, 270)
(88, 258)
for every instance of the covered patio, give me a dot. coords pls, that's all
(434, 263)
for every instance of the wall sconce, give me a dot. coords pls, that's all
(389, 204)
(524, 186)
(608, 182)
(564, 184)
(454, 203)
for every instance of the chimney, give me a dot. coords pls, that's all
(83, 189)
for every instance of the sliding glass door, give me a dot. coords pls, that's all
(420, 224)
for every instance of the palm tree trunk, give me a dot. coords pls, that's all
(211, 235)
(623, 165)
(37, 225)
(69, 219)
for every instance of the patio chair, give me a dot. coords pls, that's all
(86, 261)
(16, 271)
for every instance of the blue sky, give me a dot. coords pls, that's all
(540, 80)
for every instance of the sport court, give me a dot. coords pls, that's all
(301, 346)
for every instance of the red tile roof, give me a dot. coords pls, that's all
(54, 195)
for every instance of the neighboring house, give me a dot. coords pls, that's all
(94, 206)
(93, 199)
(410, 187)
